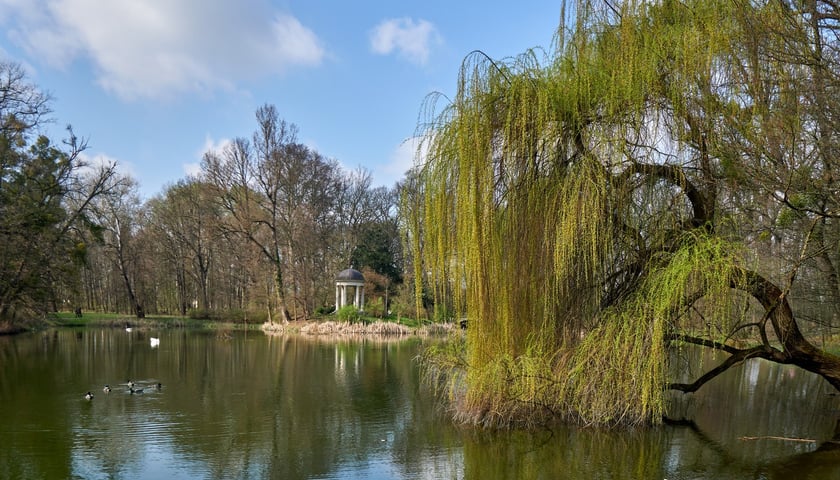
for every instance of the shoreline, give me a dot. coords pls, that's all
(312, 327)
(377, 328)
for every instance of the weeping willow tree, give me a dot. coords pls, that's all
(584, 210)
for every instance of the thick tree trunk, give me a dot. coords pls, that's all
(281, 293)
(795, 348)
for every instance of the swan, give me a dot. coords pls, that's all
(88, 396)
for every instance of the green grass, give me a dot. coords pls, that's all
(98, 319)
(121, 320)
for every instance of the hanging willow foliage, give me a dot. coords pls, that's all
(528, 226)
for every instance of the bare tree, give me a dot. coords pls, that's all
(117, 216)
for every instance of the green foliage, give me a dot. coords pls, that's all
(379, 249)
(199, 314)
(403, 304)
(549, 219)
(324, 310)
(349, 314)
(33, 226)
(375, 307)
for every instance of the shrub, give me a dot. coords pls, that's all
(349, 313)
(375, 307)
(199, 314)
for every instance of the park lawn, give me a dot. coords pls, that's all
(103, 319)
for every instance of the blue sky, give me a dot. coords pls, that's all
(152, 84)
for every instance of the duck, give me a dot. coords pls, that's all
(159, 386)
(133, 390)
(130, 384)
(154, 341)
(88, 396)
(106, 389)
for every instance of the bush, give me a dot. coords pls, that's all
(349, 313)
(199, 314)
(376, 307)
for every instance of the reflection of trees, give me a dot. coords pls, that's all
(714, 459)
(298, 407)
(25, 422)
(354, 406)
(822, 463)
(759, 399)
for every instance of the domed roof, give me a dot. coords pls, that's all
(350, 275)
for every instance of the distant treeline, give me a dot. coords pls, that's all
(264, 227)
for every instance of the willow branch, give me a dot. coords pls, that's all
(737, 357)
(676, 175)
(703, 342)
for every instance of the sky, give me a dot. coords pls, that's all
(153, 84)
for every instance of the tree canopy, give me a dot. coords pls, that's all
(45, 197)
(664, 176)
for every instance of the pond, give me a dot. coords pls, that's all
(246, 405)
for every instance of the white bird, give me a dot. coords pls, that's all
(154, 341)
(107, 389)
(88, 396)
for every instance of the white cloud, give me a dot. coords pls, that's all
(211, 145)
(403, 158)
(411, 39)
(193, 169)
(92, 163)
(162, 48)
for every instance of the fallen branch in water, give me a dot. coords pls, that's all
(787, 439)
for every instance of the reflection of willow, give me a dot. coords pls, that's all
(566, 453)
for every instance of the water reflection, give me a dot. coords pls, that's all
(250, 406)
(759, 420)
(245, 407)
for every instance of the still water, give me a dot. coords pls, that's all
(249, 406)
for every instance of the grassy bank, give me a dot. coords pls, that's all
(324, 325)
(116, 320)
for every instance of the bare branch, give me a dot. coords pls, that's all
(737, 357)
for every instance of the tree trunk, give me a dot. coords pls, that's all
(281, 295)
(796, 349)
